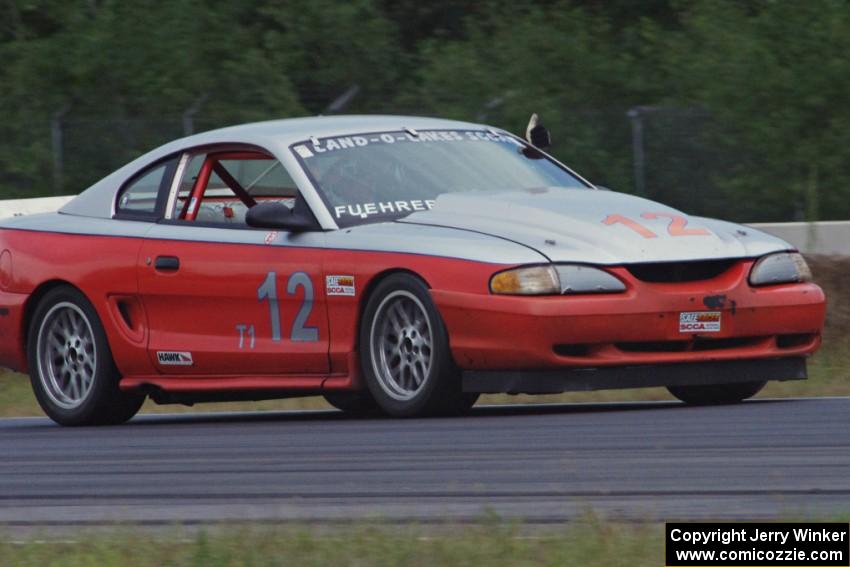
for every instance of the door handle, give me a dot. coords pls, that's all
(167, 263)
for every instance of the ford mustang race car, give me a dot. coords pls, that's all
(388, 263)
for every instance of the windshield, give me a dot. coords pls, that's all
(380, 176)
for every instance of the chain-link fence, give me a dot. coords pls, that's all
(679, 156)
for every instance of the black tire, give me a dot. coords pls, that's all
(360, 403)
(439, 388)
(716, 394)
(91, 373)
(462, 404)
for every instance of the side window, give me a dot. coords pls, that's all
(262, 178)
(142, 195)
(236, 182)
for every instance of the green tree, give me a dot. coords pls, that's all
(775, 75)
(745, 113)
(137, 67)
(559, 61)
(326, 47)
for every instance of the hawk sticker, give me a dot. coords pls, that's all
(174, 358)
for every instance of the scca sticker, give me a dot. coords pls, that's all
(340, 285)
(699, 322)
(174, 358)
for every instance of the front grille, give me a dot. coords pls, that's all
(689, 346)
(794, 341)
(571, 350)
(679, 272)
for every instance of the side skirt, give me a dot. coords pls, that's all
(193, 389)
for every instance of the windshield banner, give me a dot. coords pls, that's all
(325, 145)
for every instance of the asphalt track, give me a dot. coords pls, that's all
(543, 464)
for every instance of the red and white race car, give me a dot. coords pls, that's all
(395, 263)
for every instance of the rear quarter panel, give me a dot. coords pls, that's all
(38, 253)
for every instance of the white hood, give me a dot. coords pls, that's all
(567, 225)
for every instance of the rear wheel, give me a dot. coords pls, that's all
(71, 368)
(716, 393)
(405, 354)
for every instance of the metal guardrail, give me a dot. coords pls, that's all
(19, 207)
(827, 237)
(831, 238)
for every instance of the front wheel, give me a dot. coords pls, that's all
(72, 372)
(405, 354)
(359, 403)
(716, 394)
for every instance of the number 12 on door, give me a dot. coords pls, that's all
(267, 291)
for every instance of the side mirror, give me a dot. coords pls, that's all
(272, 214)
(537, 134)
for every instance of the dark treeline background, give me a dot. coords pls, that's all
(730, 108)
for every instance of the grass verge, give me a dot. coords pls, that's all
(583, 543)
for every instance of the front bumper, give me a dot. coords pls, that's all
(638, 327)
(643, 376)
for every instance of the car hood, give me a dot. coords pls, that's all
(567, 225)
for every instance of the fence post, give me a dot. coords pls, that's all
(638, 157)
(189, 114)
(492, 104)
(343, 100)
(56, 142)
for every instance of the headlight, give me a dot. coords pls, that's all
(555, 280)
(535, 280)
(785, 267)
(584, 279)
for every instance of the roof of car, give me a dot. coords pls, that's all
(292, 130)
(274, 135)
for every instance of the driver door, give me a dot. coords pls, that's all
(226, 299)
